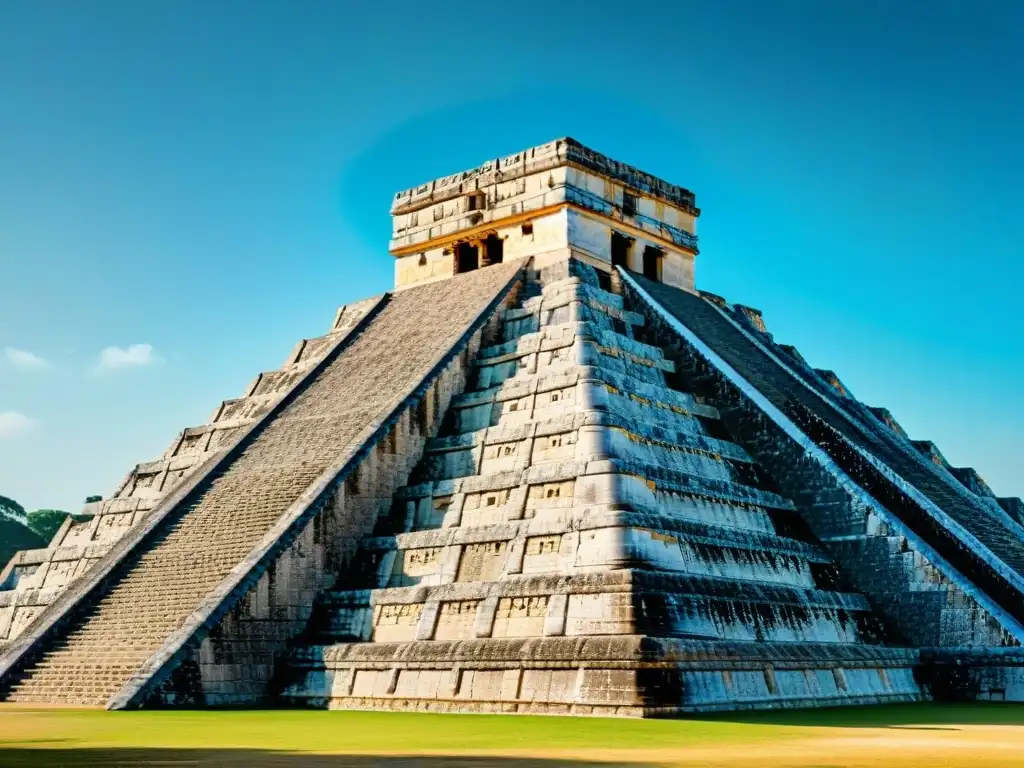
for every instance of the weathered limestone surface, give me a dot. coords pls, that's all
(535, 481)
(153, 591)
(586, 539)
(34, 578)
(940, 562)
(550, 202)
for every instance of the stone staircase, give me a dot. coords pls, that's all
(941, 563)
(581, 515)
(170, 575)
(35, 578)
(585, 538)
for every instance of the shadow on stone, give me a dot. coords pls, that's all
(109, 758)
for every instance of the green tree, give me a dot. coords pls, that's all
(14, 534)
(46, 522)
(11, 508)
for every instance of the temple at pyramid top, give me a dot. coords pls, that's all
(551, 202)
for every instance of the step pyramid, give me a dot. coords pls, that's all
(35, 578)
(125, 619)
(585, 538)
(545, 474)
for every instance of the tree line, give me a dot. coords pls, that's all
(20, 529)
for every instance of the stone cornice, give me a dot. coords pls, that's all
(560, 152)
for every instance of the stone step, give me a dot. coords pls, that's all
(601, 604)
(637, 430)
(558, 675)
(557, 337)
(624, 581)
(244, 499)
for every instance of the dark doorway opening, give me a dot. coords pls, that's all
(467, 258)
(620, 250)
(494, 250)
(628, 204)
(652, 262)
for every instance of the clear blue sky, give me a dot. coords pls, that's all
(213, 179)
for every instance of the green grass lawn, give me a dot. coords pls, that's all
(899, 735)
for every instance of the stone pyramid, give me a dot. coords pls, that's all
(544, 475)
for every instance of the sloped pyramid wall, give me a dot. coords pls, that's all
(584, 537)
(224, 569)
(942, 564)
(32, 579)
(520, 492)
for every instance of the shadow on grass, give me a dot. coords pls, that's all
(109, 758)
(935, 717)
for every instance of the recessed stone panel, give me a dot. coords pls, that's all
(557, 495)
(554, 447)
(485, 508)
(543, 555)
(416, 566)
(395, 623)
(520, 616)
(482, 562)
(456, 619)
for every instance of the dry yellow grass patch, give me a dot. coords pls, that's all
(886, 737)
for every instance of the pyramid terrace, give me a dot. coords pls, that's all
(545, 474)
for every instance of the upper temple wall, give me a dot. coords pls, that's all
(522, 199)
